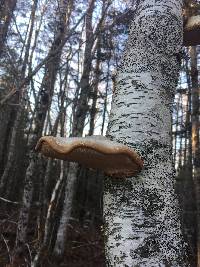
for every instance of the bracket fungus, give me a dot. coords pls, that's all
(191, 35)
(96, 152)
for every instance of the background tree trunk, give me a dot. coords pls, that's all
(6, 11)
(195, 140)
(20, 111)
(45, 98)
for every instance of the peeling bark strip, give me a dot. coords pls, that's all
(141, 223)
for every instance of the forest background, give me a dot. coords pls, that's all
(57, 75)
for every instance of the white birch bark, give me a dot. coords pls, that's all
(142, 227)
(66, 212)
(48, 222)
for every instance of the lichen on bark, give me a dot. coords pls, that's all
(142, 226)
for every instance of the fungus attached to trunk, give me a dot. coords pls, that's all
(96, 152)
(191, 35)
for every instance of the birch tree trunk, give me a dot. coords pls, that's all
(97, 74)
(82, 103)
(46, 93)
(142, 227)
(66, 212)
(77, 130)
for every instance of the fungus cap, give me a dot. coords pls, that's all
(191, 36)
(96, 152)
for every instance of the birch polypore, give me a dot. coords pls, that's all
(142, 227)
(95, 152)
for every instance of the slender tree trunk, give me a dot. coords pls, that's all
(105, 99)
(48, 222)
(77, 130)
(24, 211)
(20, 112)
(82, 103)
(183, 143)
(80, 113)
(142, 227)
(46, 94)
(97, 74)
(7, 118)
(176, 129)
(45, 192)
(188, 129)
(11, 153)
(195, 140)
(6, 12)
(184, 181)
(66, 212)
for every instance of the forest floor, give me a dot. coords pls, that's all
(84, 244)
(84, 247)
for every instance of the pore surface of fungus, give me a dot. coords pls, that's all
(96, 152)
(191, 35)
